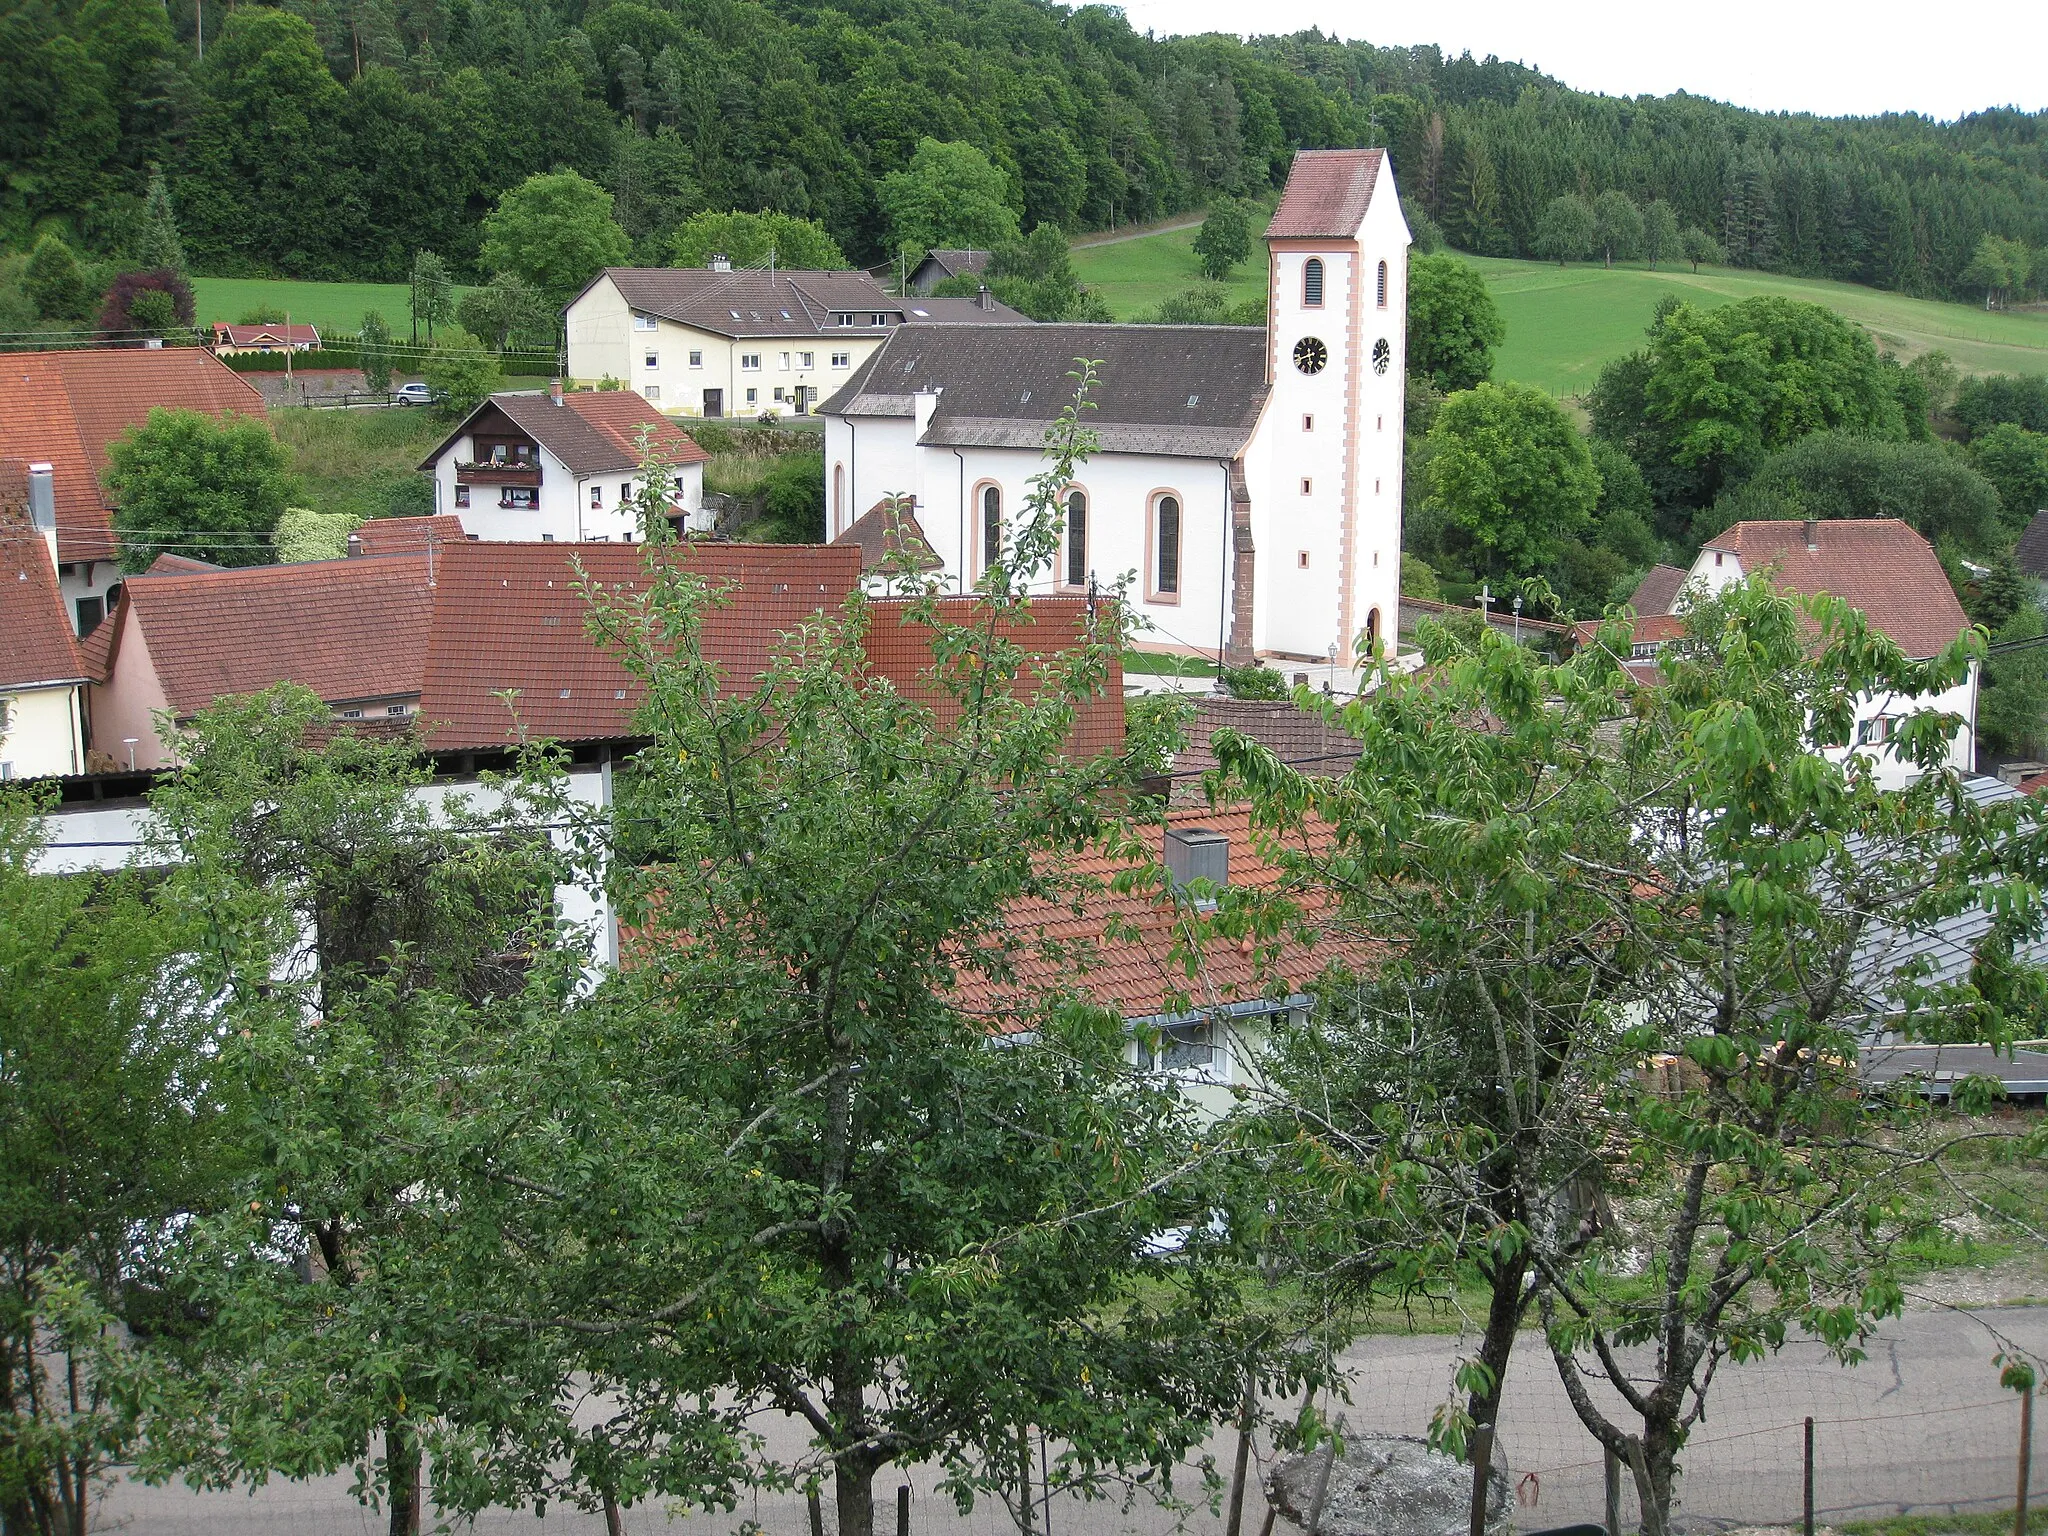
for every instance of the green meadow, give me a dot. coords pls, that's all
(337, 307)
(1564, 323)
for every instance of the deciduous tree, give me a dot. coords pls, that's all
(190, 484)
(1617, 226)
(1509, 470)
(554, 233)
(373, 351)
(1453, 323)
(749, 240)
(948, 197)
(1566, 229)
(54, 281)
(1225, 238)
(432, 299)
(2015, 461)
(462, 373)
(1661, 238)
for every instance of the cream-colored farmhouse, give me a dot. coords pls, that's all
(715, 341)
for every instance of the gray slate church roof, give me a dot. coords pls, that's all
(1186, 391)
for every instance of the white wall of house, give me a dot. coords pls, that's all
(87, 581)
(598, 327)
(42, 732)
(568, 508)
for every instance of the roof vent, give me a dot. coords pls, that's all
(1812, 534)
(719, 263)
(1198, 853)
(42, 495)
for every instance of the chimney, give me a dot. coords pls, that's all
(1198, 853)
(1812, 534)
(719, 263)
(984, 298)
(42, 506)
(555, 390)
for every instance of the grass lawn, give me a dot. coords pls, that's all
(331, 306)
(361, 462)
(1564, 323)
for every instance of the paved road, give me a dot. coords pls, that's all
(1921, 1427)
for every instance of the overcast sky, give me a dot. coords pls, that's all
(1775, 55)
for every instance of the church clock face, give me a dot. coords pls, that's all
(1310, 355)
(1382, 355)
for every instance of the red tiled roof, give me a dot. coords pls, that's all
(347, 629)
(1879, 565)
(1328, 192)
(1306, 741)
(261, 335)
(403, 535)
(1650, 628)
(64, 408)
(901, 652)
(168, 563)
(97, 650)
(1658, 590)
(622, 415)
(1137, 975)
(35, 636)
(509, 617)
(890, 539)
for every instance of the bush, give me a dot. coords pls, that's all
(2022, 399)
(304, 535)
(176, 307)
(1256, 681)
(55, 282)
(794, 496)
(462, 372)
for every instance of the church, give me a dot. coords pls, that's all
(1246, 481)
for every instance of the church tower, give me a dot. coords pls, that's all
(1325, 513)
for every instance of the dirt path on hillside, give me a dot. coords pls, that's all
(1137, 232)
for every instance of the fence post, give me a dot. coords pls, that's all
(1809, 1475)
(2019, 1509)
(903, 1509)
(817, 1513)
(1482, 1466)
(1611, 1468)
(1315, 1508)
(1246, 1411)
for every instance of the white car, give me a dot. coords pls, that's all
(414, 393)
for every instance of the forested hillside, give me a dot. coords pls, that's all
(334, 138)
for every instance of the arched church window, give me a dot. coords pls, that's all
(1077, 538)
(1166, 545)
(991, 526)
(1312, 283)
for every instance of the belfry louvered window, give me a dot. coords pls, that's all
(1312, 283)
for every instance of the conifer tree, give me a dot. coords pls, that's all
(159, 248)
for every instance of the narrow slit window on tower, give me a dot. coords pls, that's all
(1301, 558)
(1077, 539)
(1166, 558)
(991, 526)
(1312, 283)
(1308, 423)
(1308, 487)
(1383, 285)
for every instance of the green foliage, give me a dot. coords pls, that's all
(949, 197)
(1453, 324)
(462, 372)
(1838, 474)
(793, 497)
(1701, 247)
(1738, 382)
(1566, 230)
(54, 281)
(1617, 226)
(1426, 236)
(303, 535)
(746, 239)
(190, 484)
(2015, 461)
(1036, 277)
(157, 242)
(1225, 238)
(432, 299)
(1939, 378)
(360, 462)
(553, 233)
(1255, 680)
(1661, 238)
(2022, 399)
(146, 303)
(1207, 304)
(1510, 472)
(1418, 579)
(507, 312)
(373, 350)
(262, 314)
(2012, 713)
(111, 1130)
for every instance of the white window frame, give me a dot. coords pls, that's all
(807, 359)
(650, 359)
(842, 359)
(696, 358)
(785, 362)
(753, 397)
(750, 362)
(645, 323)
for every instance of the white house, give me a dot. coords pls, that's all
(1248, 481)
(1879, 565)
(711, 341)
(42, 726)
(560, 469)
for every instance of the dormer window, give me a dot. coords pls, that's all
(1312, 283)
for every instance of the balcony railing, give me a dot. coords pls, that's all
(498, 474)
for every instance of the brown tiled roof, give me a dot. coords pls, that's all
(35, 636)
(403, 535)
(751, 303)
(1137, 975)
(509, 618)
(933, 310)
(1298, 737)
(890, 539)
(901, 652)
(1658, 591)
(1876, 564)
(97, 650)
(170, 563)
(347, 629)
(2031, 553)
(1189, 390)
(1328, 192)
(955, 262)
(225, 334)
(592, 432)
(64, 408)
